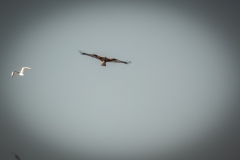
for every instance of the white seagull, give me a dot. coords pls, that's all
(20, 73)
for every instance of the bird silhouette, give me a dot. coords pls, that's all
(105, 59)
(20, 73)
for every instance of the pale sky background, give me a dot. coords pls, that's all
(178, 93)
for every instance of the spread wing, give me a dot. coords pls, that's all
(13, 73)
(22, 70)
(118, 61)
(91, 55)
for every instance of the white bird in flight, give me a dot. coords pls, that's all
(20, 73)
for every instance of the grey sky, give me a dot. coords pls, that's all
(178, 91)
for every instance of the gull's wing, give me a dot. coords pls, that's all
(23, 68)
(118, 61)
(12, 73)
(91, 55)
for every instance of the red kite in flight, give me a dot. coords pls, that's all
(105, 59)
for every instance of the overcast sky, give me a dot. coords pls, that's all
(179, 96)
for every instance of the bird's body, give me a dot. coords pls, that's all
(105, 59)
(20, 73)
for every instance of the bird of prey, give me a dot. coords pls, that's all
(105, 59)
(20, 73)
(16, 156)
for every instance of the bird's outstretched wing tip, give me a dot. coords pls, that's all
(80, 52)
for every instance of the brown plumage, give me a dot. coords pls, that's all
(105, 59)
